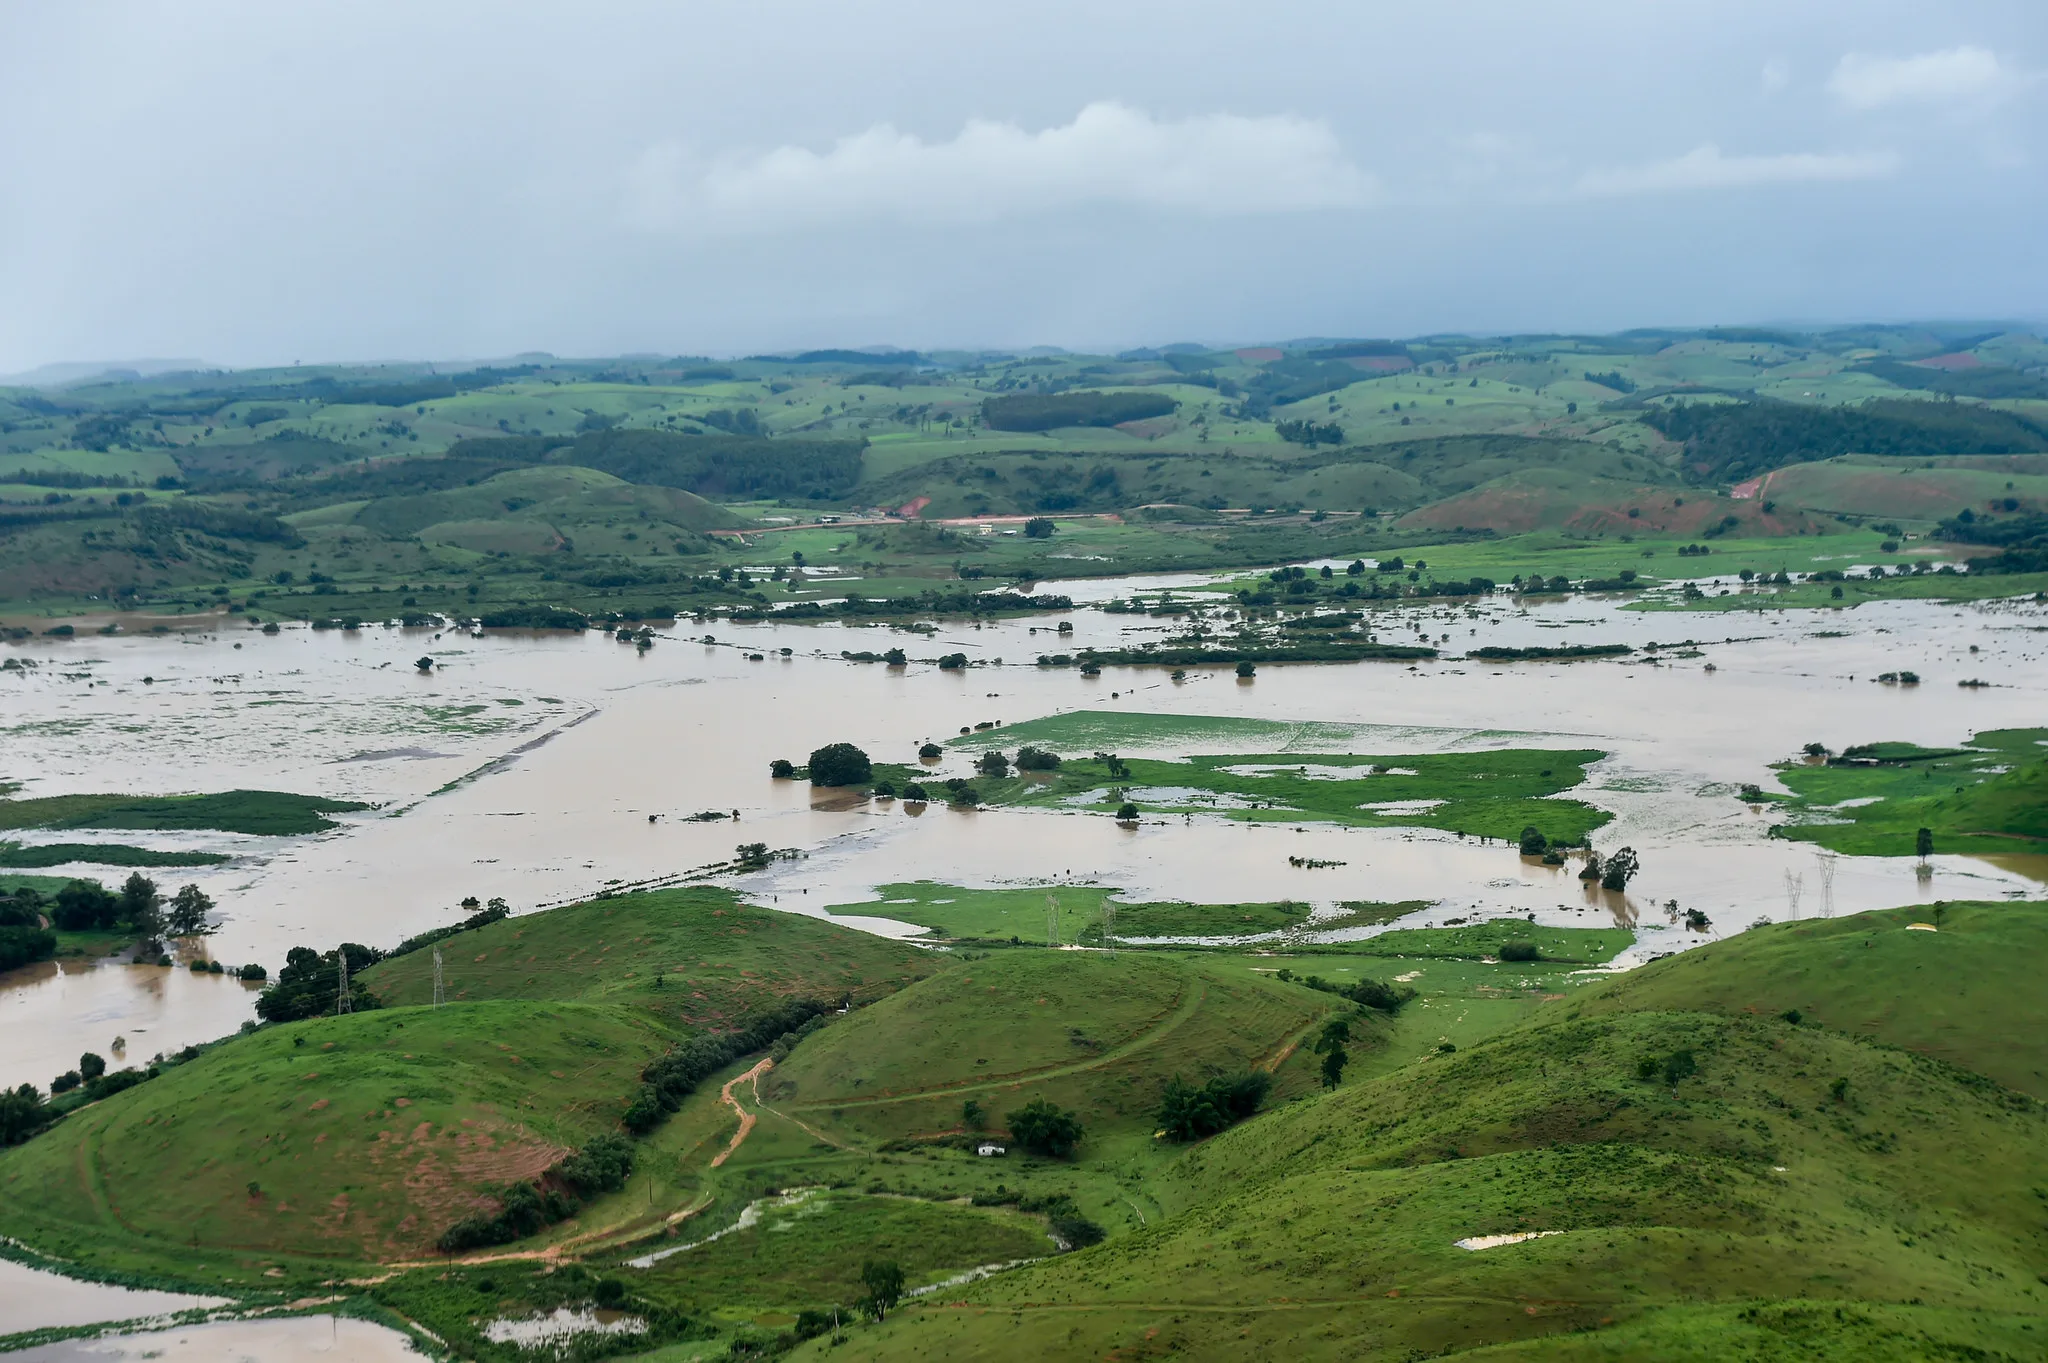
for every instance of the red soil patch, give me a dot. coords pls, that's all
(1380, 364)
(1259, 354)
(1960, 359)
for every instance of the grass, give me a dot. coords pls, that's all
(1493, 794)
(807, 1251)
(1989, 797)
(1094, 1033)
(365, 1135)
(270, 813)
(1326, 1229)
(16, 854)
(368, 1134)
(1961, 994)
(716, 959)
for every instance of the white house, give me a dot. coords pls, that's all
(988, 1148)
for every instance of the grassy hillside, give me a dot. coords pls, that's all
(345, 1140)
(589, 484)
(366, 1135)
(1564, 499)
(697, 956)
(1960, 994)
(1095, 1033)
(1329, 1228)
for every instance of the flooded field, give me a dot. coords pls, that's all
(545, 768)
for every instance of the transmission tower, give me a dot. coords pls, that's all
(1795, 886)
(440, 994)
(1826, 862)
(342, 1002)
(1052, 919)
(1109, 925)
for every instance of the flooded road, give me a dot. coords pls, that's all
(549, 754)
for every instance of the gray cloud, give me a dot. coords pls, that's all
(257, 182)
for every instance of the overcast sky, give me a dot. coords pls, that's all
(263, 182)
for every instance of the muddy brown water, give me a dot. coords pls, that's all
(549, 798)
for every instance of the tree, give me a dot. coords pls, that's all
(840, 764)
(1038, 528)
(424, 664)
(1187, 1113)
(931, 752)
(896, 657)
(781, 769)
(1336, 1032)
(1621, 868)
(1045, 1129)
(1246, 669)
(1037, 759)
(992, 764)
(310, 983)
(1333, 1066)
(971, 1115)
(1923, 844)
(915, 791)
(85, 905)
(1533, 841)
(1127, 812)
(883, 1278)
(187, 917)
(142, 905)
(91, 1067)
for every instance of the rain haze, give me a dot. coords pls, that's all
(252, 184)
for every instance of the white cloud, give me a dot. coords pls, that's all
(1211, 164)
(1776, 75)
(1707, 167)
(1957, 74)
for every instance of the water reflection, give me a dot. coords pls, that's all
(31, 1299)
(296, 1339)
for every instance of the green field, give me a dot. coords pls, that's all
(1490, 794)
(1991, 796)
(270, 813)
(14, 854)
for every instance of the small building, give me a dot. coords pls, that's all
(987, 1148)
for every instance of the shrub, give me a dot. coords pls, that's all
(992, 764)
(914, 791)
(1037, 759)
(1533, 841)
(1520, 951)
(931, 750)
(1038, 528)
(782, 769)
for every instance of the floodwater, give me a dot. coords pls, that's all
(550, 754)
(31, 1299)
(290, 1339)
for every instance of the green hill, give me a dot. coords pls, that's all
(352, 1139)
(359, 1139)
(716, 959)
(1687, 1182)
(1095, 1033)
(1962, 994)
